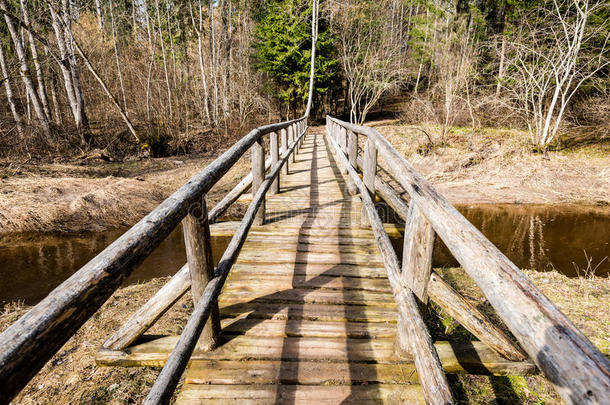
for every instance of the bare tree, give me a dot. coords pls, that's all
(9, 93)
(370, 52)
(550, 61)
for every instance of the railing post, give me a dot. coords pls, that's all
(417, 252)
(352, 148)
(284, 140)
(291, 139)
(275, 156)
(258, 176)
(197, 240)
(343, 135)
(369, 171)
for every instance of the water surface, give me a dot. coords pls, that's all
(569, 239)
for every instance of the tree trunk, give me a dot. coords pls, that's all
(42, 92)
(116, 57)
(167, 83)
(25, 76)
(9, 95)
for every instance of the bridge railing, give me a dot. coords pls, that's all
(32, 340)
(578, 370)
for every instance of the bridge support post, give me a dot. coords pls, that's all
(197, 240)
(417, 252)
(291, 138)
(284, 140)
(274, 151)
(369, 171)
(258, 176)
(343, 135)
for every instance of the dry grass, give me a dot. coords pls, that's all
(583, 300)
(98, 196)
(497, 166)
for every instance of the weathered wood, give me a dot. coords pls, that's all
(471, 318)
(352, 148)
(578, 370)
(30, 342)
(285, 394)
(414, 332)
(369, 172)
(291, 137)
(284, 141)
(165, 384)
(150, 312)
(258, 175)
(456, 358)
(417, 253)
(197, 241)
(275, 156)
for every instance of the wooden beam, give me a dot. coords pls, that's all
(197, 241)
(463, 311)
(577, 369)
(150, 312)
(416, 337)
(417, 253)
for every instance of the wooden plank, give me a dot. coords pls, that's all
(258, 257)
(301, 394)
(253, 279)
(417, 253)
(312, 269)
(456, 358)
(312, 312)
(305, 328)
(271, 294)
(293, 372)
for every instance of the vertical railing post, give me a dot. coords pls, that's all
(258, 175)
(274, 151)
(198, 244)
(352, 148)
(343, 135)
(369, 171)
(284, 139)
(291, 138)
(417, 252)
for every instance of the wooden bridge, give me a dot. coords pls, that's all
(309, 302)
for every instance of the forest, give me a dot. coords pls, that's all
(167, 77)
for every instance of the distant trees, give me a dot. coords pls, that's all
(556, 48)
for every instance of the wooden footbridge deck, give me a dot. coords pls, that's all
(309, 302)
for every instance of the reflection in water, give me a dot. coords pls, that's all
(568, 239)
(535, 237)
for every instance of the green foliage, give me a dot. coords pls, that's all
(283, 49)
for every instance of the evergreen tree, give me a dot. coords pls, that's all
(283, 49)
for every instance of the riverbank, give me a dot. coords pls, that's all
(73, 377)
(487, 166)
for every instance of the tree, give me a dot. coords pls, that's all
(283, 49)
(554, 51)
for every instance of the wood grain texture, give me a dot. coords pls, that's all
(417, 253)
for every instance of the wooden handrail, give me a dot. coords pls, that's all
(30, 342)
(577, 369)
(167, 380)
